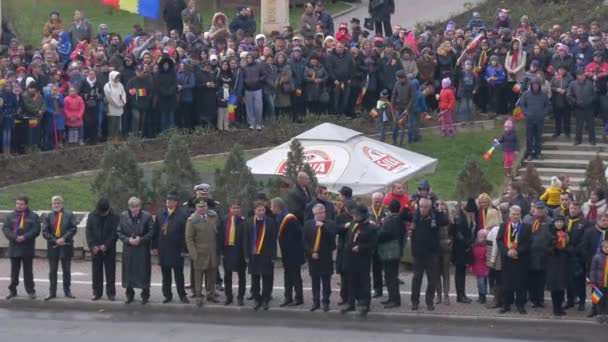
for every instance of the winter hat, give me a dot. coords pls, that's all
(212, 58)
(468, 63)
(446, 83)
(494, 58)
(394, 206)
(243, 55)
(476, 15)
(580, 56)
(556, 182)
(260, 36)
(329, 38)
(451, 26)
(103, 205)
(563, 47)
(424, 185)
(508, 125)
(524, 18)
(30, 82)
(362, 211)
(343, 26)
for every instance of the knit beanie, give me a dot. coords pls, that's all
(446, 83)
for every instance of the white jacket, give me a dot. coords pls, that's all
(115, 95)
(601, 207)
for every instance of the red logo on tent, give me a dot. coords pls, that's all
(384, 160)
(318, 160)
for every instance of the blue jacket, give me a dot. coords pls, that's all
(50, 107)
(9, 109)
(186, 79)
(509, 141)
(420, 105)
(496, 71)
(587, 52)
(65, 47)
(535, 104)
(297, 69)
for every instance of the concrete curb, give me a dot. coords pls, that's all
(353, 7)
(104, 306)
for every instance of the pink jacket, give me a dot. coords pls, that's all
(73, 108)
(479, 267)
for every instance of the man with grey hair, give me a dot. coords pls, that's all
(319, 245)
(135, 230)
(513, 241)
(58, 229)
(299, 196)
(378, 212)
(292, 251)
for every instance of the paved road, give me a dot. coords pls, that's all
(81, 287)
(410, 12)
(93, 327)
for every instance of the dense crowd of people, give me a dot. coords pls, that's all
(85, 85)
(516, 250)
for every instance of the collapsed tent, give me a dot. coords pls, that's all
(344, 157)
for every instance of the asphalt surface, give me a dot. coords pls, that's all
(410, 12)
(30, 325)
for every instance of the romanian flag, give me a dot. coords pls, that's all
(488, 154)
(145, 8)
(361, 95)
(232, 100)
(518, 114)
(596, 295)
(562, 240)
(373, 113)
(473, 44)
(516, 88)
(142, 92)
(33, 123)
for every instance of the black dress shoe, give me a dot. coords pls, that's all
(32, 295)
(504, 310)
(250, 297)
(96, 298)
(430, 307)
(592, 314)
(325, 307)
(184, 300)
(212, 299)
(581, 306)
(342, 302)
(347, 309)
(111, 298)
(257, 306)
(228, 301)
(129, 300)
(568, 306)
(315, 308)
(296, 303)
(377, 294)
(285, 303)
(193, 295)
(11, 295)
(145, 301)
(199, 302)
(363, 312)
(49, 298)
(414, 306)
(240, 302)
(392, 305)
(265, 306)
(167, 300)
(69, 295)
(384, 302)
(522, 310)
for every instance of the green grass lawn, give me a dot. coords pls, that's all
(452, 153)
(30, 15)
(77, 191)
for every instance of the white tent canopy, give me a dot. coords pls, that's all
(344, 157)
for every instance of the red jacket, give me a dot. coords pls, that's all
(404, 200)
(343, 37)
(447, 99)
(73, 109)
(592, 69)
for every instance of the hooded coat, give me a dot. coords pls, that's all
(165, 86)
(115, 95)
(517, 72)
(219, 31)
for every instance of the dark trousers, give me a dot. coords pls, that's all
(292, 278)
(66, 265)
(517, 297)
(377, 272)
(319, 280)
(178, 273)
(344, 281)
(557, 299)
(298, 109)
(145, 293)
(534, 137)
(460, 275)
(28, 274)
(91, 122)
(341, 97)
(184, 116)
(242, 283)
(388, 30)
(584, 118)
(266, 281)
(429, 265)
(359, 288)
(495, 281)
(536, 286)
(577, 287)
(100, 262)
(391, 276)
(562, 120)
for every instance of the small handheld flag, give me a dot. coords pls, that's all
(232, 100)
(488, 154)
(373, 113)
(596, 295)
(516, 88)
(146, 8)
(518, 114)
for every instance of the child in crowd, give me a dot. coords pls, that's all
(386, 119)
(225, 85)
(413, 119)
(599, 278)
(447, 103)
(74, 111)
(510, 146)
(479, 267)
(445, 243)
(551, 195)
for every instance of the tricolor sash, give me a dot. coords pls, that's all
(19, 223)
(317, 245)
(166, 222)
(512, 235)
(258, 237)
(58, 217)
(284, 224)
(571, 223)
(535, 225)
(230, 231)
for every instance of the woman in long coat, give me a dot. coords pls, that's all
(206, 95)
(557, 264)
(285, 85)
(463, 234)
(135, 230)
